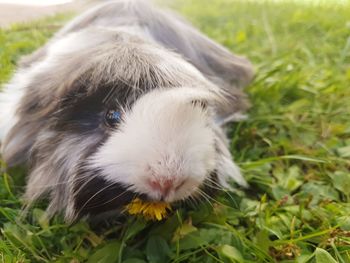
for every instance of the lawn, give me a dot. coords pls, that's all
(294, 150)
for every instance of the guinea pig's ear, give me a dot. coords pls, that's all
(227, 70)
(212, 59)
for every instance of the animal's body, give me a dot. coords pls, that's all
(126, 100)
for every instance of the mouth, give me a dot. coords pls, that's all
(97, 195)
(153, 210)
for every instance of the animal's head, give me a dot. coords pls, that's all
(115, 117)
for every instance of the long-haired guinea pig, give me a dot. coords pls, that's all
(126, 100)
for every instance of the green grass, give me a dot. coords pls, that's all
(294, 150)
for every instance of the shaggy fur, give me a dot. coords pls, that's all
(172, 85)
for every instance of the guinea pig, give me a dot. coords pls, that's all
(127, 100)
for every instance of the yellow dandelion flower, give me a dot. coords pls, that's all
(149, 210)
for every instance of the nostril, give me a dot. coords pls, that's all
(167, 186)
(164, 186)
(155, 185)
(168, 183)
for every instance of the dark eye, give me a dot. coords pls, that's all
(113, 118)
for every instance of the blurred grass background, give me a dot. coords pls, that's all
(294, 151)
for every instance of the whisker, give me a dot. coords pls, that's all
(57, 184)
(94, 195)
(194, 201)
(111, 200)
(201, 193)
(220, 188)
(69, 180)
(212, 186)
(211, 180)
(93, 177)
(76, 180)
(211, 198)
(189, 201)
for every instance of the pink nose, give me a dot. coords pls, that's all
(163, 186)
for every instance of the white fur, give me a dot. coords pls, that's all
(9, 100)
(163, 137)
(227, 171)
